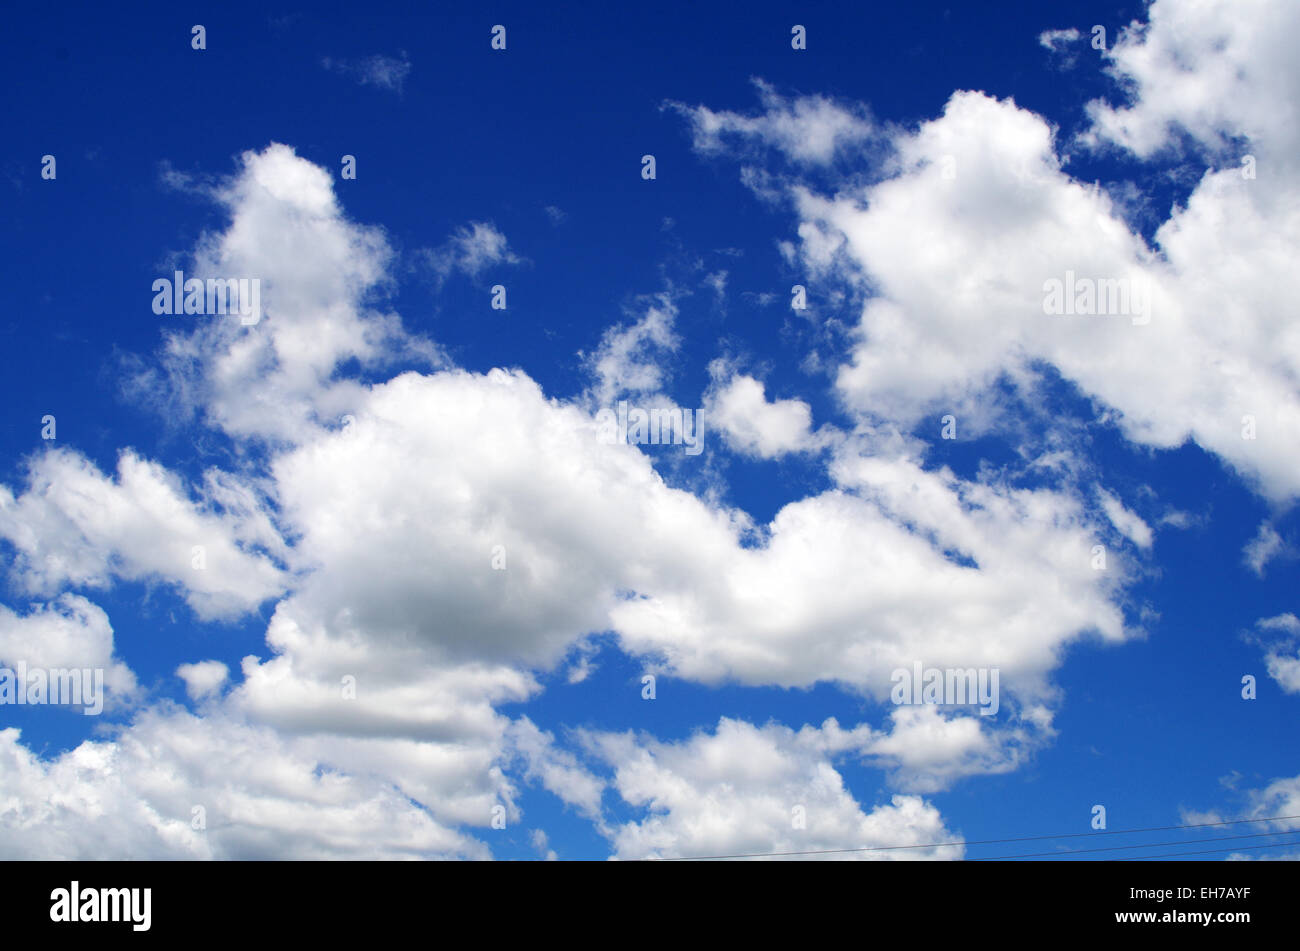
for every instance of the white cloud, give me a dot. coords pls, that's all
(1280, 798)
(541, 842)
(75, 526)
(385, 72)
(743, 790)
(1057, 40)
(203, 679)
(471, 250)
(1261, 549)
(811, 130)
(1280, 638)
(927, 751)
(627, 362)
(955, 246)
(958, 268)
(895, 565)
(275, 380)
(68, 633)
(134, 797)
(717, 282)
(1214, 71)
(557, 770)
(1126, 522)
(374, 728)
(752, 425)
(395, 638)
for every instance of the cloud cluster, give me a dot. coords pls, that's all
(436, 541)
(974, 215)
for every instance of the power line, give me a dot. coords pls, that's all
(939, 845)
(1247, 848)
(1145, 845)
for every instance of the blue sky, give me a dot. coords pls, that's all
(350, 462)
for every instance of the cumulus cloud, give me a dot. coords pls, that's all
(75, 526)
(557, 770)
(745, 790)
(753, 425)
(276, 380)
(894, 565)
(68, 633)
(203, 679)
(629, 359)
(1240, 91)
(973, 218)
(177, 786)
(436, 540)
(1280, 638)
(398, 636)
(927, 751)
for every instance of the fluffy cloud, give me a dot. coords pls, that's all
(557, 770)
(203, 679)
(896, 565)
(1241, 88)
(973, 215)
(461, 531)
(744, 789)
(752, 425)
(276, 380)
(75, 526)
(1280, 638)
(627, 362)
(176, 786)
(438, 539)
(68, 633)
(926, 751)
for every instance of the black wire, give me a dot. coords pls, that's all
(1248, 848)
(1146, 845)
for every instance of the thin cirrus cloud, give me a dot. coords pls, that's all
(380, 70)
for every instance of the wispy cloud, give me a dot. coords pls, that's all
(386, 72)
(470, 250)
